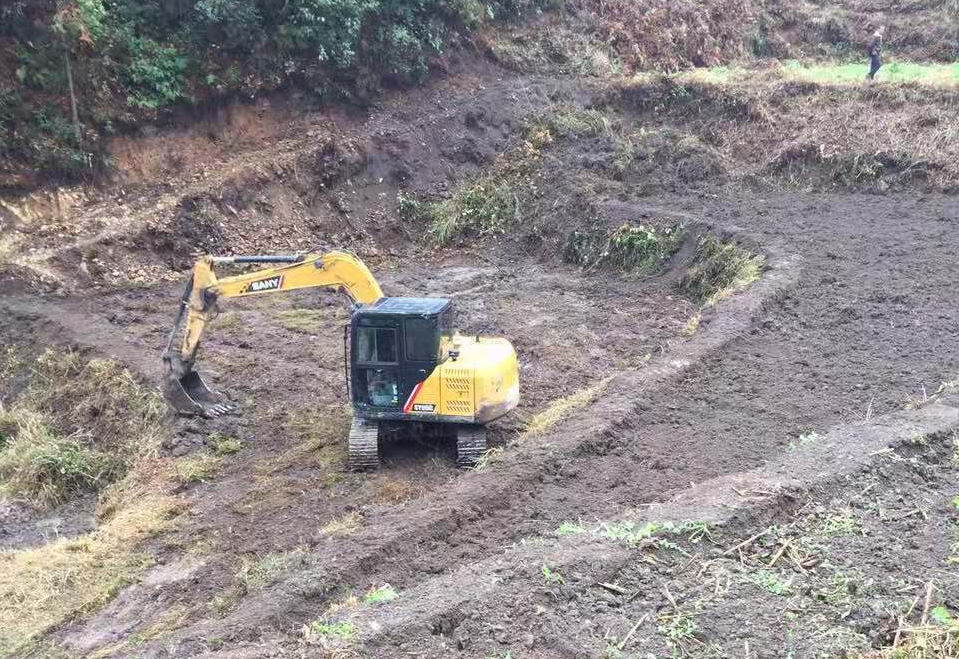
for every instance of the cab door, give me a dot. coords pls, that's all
(419, 359)
(376, 366)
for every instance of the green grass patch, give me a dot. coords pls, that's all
(384, 593)
(635, 249)
(78, 427)
(197, 469)
(342, 630)
(839, 524)
(222, 444)
(38, 464)
(632, 533)
(570, 528)
(718, 270)
(835, 73)
(259, 572)
(772, 582)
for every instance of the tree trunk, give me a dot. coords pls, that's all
(73, 94)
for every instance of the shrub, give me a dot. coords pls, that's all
(39, 465)
(719, 269)
(155, 74)
(635, 249)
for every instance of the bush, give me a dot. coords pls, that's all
(719, 269)
(634, 249)
(154, 74)
(39, 465)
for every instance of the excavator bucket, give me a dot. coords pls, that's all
(190, 395)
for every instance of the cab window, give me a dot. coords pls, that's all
(376, 345)
(421, 344)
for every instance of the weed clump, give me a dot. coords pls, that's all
(484, 208)
(78, 427)
(317, 630)
(384, 593)
(222, 444)
(572, 123)
(635, 249)
(39, 465)
(257, 573)
(197, 469)
(718, 270)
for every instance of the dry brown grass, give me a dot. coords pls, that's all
(657, 33)
(563, 408)
(41, 587)
(805, 133)
(344, 525)
(396, 490)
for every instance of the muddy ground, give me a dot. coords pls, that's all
(852, 320)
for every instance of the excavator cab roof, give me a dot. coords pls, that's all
(410, 305)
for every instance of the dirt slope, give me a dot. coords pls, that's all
(851, 320)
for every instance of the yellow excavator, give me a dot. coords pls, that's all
(408, 369)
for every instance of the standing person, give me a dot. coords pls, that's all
(875, 53)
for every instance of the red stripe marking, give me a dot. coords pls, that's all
(409, 401)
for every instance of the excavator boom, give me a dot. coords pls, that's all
(185, 390)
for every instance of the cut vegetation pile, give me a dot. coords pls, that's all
(633, 249)
(81, 426)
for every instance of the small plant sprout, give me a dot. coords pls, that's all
(955, 502)
(805, 439)
(572, 528)
(384, 593)
(917, 438)
(679, 630)
(551, 576)
(317, 630)
(772, 582)
(839, 524)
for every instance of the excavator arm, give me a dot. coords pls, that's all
(185, 390)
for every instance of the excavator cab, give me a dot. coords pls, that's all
(395, 346)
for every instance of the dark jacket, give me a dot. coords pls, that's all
(875, 46)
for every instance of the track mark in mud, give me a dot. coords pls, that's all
(741, 504)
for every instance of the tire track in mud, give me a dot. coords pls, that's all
(485, 512)
(503, 580)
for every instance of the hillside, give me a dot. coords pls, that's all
(724, 263)
(78, 72)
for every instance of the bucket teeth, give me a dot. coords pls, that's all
(189, 395)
